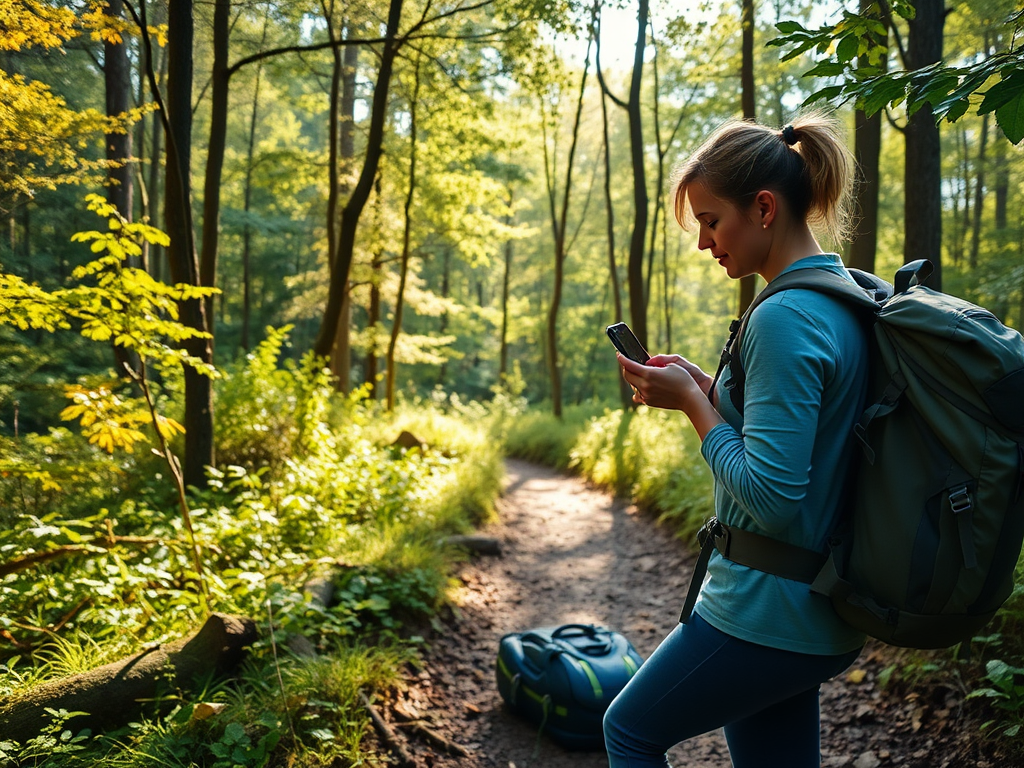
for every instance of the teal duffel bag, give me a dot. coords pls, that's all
(562, 679)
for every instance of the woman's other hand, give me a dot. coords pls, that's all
(672, 382)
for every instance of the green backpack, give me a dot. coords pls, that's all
(926, 551)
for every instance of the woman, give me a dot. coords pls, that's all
(753, 654)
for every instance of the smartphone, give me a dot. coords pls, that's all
(628, 344)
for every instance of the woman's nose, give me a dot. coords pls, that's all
(704, 240)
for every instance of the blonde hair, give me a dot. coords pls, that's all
(807, 163)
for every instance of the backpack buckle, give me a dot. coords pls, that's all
(717, 533)
(960, 500)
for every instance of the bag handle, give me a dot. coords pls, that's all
(912, 273)
(598, 648)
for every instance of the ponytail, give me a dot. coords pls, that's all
(807, 163)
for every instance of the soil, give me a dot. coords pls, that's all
(574, 553)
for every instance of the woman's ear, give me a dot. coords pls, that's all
(766, 207)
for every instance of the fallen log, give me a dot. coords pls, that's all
(95, 546)
(115, 694)
(477, 545)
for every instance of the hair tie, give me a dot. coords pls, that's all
(789, 135)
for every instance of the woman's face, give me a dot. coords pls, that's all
(737, 238)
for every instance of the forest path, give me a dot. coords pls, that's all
(574, 553)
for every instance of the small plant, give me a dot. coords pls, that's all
(1006, 693)
(236, 748)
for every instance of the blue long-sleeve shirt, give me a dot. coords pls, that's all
(780, 467)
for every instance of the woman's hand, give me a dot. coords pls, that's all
(672, 382)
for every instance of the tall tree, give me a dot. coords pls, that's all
(867, 149)
(215, 153)
(979, 193)
(922, 205)
(247, 201)
(748, 284)
(116, 75)
(396, 326)
(338, 291)
(341, 355)
(558, 210)
(638, 240)
(181, 252)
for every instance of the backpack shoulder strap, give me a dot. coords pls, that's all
(867, 294)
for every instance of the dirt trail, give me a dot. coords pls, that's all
(572, 553)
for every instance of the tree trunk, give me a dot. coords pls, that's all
(559, 217)
(867, 149)
(442, 375)
(922, 173)
(157, 256)
(637, 299)
(1002, 180)
(333, 187)
(357, 201)
(625, 392)
(748, 284)
(117, 82)
(505, 282)
(118, 98)
(396, 327)
(341, 355)
(215, 152)
(245, 342)
(115, 694)
(376, 277)
(979, 193)
(181, 252)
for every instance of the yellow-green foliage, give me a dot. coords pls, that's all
(537, 435)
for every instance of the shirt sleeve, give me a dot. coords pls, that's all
(788, 360)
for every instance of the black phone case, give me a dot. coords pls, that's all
(626, 342)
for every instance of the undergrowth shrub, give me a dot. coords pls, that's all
(538, 435)
(334, 495)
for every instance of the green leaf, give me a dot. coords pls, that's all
(958, 110)
(826, 69)
(848, 48)
(789, 27)
(825, 94)
(1010, 118)
(1002, 93)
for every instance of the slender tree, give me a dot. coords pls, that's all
(638, 239)
(396, 326)
(979, 193)
(338, 291)
(867, 148)
(558, 211)
(748, 284)
(181, 252)
(116, 73)
(922, 208)
(215, 152)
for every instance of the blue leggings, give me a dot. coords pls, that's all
(700, 679)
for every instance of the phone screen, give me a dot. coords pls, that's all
(628, 344)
